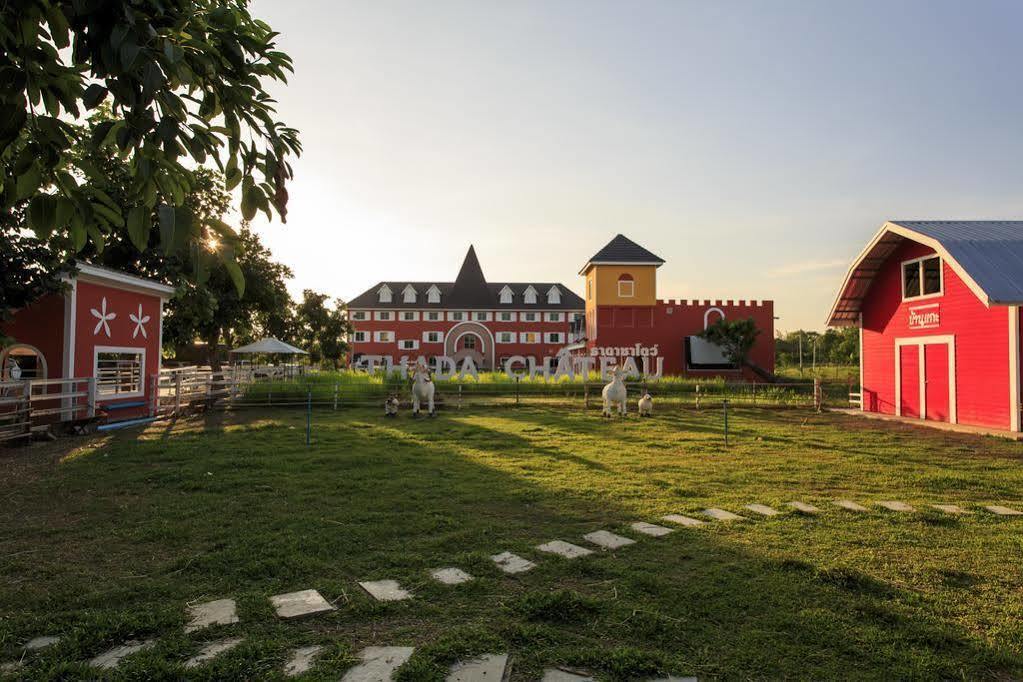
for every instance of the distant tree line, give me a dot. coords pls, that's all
(839, 346)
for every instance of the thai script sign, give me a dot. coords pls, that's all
(636, 351)
(924, 316)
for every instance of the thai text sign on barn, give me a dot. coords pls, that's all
(924, 316)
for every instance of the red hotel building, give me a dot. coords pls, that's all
(489, 321)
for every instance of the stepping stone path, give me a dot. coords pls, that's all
(564, 549)
(108, 660)
(893, 505)
(212, 650)
(607, 540)
(378, 663)
(684, 520)
(651, 529)
(763, 509)
(951, 509)
(301, 603)
(850, 505)
(512, 563)
(218, 612)
(722, 515)
(489, 668)
(451, 576)
(385, 590)
(1003, 511)
(556, 675)
(804, 507)
(301, 660)
(41, 643)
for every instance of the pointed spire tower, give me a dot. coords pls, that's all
(470, 288)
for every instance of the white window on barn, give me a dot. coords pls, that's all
(408, 344)
(626, 286)
(507, 316)
(433, 315)
(507, 295)
(120, 372)
(385, 294)
(432, 337)
(480, 316)
(530, 337)
(529, 317)
(529, 297)
(359, 315)
(360, 337)
(456, 316)
(383, 337)
(408, 294)
(554, 296)
(922, 277)
(553, 317)
(433, 294)
(554, 337)
(409, 316)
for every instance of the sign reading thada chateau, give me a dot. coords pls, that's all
(543, 328)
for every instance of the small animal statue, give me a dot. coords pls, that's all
(391, 406)
(646, 405)
(614, 393)
(422, 389)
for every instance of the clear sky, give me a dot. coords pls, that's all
(755, 146)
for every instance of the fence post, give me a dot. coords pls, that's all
(586, 393)
(724, 405)
(177, 392)
(28, 408)
(335, 396)
(91, 383)
(308, 415)
(697, 396)
(516, 390)
(754, 393)
(818, 397)
(459, 396)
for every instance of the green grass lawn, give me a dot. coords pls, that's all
(109, 538)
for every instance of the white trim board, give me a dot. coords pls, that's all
(920, 341)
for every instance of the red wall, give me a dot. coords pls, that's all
(42, 325)
(670, 321)
(981, 342)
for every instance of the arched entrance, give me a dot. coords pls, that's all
(470, 339)
(22, 361)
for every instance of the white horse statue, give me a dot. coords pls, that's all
(422, 389)
(614, 393)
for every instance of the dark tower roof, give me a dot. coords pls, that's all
(470, 288)
(621, 249)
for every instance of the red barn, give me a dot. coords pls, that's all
(937, 303)
(104, 330)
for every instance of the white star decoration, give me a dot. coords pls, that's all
(104, 318)
(139, 320)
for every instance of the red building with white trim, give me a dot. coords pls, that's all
(937, 303)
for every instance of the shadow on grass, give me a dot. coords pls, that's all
(249, 512)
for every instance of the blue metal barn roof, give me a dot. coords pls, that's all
(987, 254)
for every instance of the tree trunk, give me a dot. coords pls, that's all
(212, 348)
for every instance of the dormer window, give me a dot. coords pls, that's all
(507, 295)
(626, 286)
(433, 294)
(922, 277)
(529, 297)
(385, 294)
(408, 294)
(554, 296)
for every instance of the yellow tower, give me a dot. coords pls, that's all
(622, 273)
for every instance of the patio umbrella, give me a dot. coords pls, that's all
(270, 345)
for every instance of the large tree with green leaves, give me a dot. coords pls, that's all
(323, 330)
(735, 338)
(184, 80)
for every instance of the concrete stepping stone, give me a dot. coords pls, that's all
(895, 505)
(951, 509)
(378, 663)
(684, 520)
(217, 612)
(110, 659)
(607, 540)
(850, 505)
(10, 667)
(1003, 511)
(558, 675)
(763, 509)
(38, 643)
(489, 668)
(804, 507)
(564, 549)
(651, 529)
(301, 660)
(451, 576)
(301, 603)
(512, 563)
(723, 515)
(385, 590)
(212, 650)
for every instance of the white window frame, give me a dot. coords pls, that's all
(439, 316)
(524, 337)
(553, 317)
(409, 294)
(433, 294)
(360, 337)
(631, 288)
(486, 317)
(414, 344)
(501, 316)
(127, 350)
(548, 337)
(507, 296)
(440, 336)
(505, 337)
(920, 268)
(554, 296)
(529, 317)
(529, 296)
(378, 336)
(382, 316)
(413, 313)
(384, 294)
(462, 316)
(359, 315)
